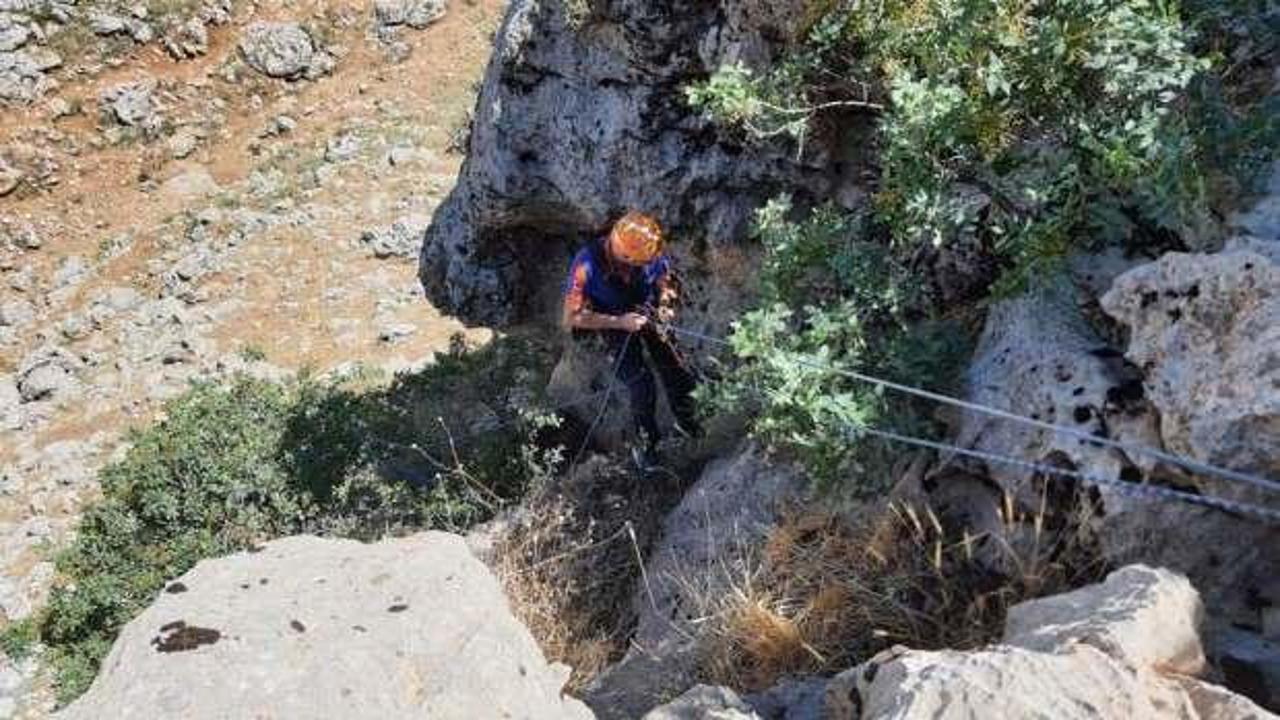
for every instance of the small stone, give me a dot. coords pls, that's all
(400, 239)
(396, 331)
(188, 40)
(279, 125)
(142, 33)
(10, 177)
(182, 144)
(194, 183)
(16, 313)
(130, 104)
(342, 147)
(414, 13)
(71, 271)
(58, 108)
(107, 24)
(278, 50)
(13, 35)
(45, 381)
(75, 327)
(28, 239)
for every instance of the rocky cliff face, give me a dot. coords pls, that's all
(582, 115)
(1178, 354)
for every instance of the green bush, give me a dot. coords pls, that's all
(234, 464)
(831, 299)
(1028, 129)
(1070, 117)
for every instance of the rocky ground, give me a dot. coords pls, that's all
(426, 632)
(187, 192)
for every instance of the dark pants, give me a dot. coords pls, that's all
(633, 372)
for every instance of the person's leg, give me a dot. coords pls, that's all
(631, 371)
(677, 378)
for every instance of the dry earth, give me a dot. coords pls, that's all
(252, 231)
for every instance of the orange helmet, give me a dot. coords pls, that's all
(636, 238)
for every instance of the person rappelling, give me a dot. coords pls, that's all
(623, 288)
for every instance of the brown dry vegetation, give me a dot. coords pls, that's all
(826, 591)
(568, 562)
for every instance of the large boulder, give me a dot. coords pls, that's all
(306, 627)
(1125, 648)
(1205, 329)
(1010, 682)
(583, 114)
(1040, 357)
(699, 554)
(1148, 617)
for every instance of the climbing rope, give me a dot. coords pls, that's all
(604, 404)
(1194, 465)
(1126, 488)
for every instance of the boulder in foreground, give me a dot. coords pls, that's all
(310, 628)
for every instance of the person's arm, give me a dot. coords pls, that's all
(579, 315)
(586, 319)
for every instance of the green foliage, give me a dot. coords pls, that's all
(252, 353)
(18, 639)
(234, 464)
(1033, 124)
(856, 306)
(1025, 129)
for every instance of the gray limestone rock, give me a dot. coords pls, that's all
(278, 49)
(341, 147)
(188, 40)
(580, 118)
(1125, 648)
(13, 34)
(16, 312)
(305, 627)
(414, 13)
(47, 375)
(71, 271)
(22, 74)
(131, 104)
(1040, 358)
(104, 23)
(704, 702)
(399, 239)
(1206, 331)
(1148, 617)
(702, 543)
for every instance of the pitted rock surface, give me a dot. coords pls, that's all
(305, 627)
(1206, 331)
(584, 115)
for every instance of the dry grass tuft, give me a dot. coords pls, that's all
(568, 565)
(559, 585)
(827, 591)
